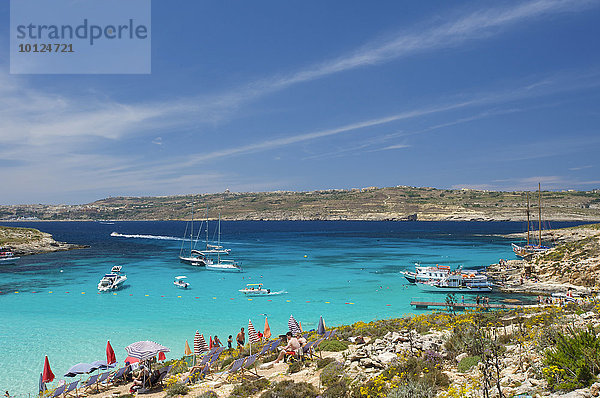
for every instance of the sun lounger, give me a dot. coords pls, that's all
(193, 376)
(266, 348)
(91, 382)
(70, 387)
(308, 349)
(250, 363)
(58, 392)
(275, 344)
(316, 346)
(119, 374)
(235, 367)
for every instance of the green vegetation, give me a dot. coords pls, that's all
(332, 373)
(574, 360)
(333, 345)
(290, 389)
(321, 363)
(14, 236)
(177, 389)
(467, 363)
(249, 388)
(208, 394)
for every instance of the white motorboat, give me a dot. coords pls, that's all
(257, 290)
(425, 274)
(7, 256)
(457, 282)
(113, 280)
(180, 282)
(223, 265)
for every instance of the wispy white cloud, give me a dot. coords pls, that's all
(580, 168)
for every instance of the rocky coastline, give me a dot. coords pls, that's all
(29, 241)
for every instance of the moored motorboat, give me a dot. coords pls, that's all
(180, 282)
(113, 280)
(7, 256)
(457, 282)
(426, 273)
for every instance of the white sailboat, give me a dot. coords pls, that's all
(530, 249)
(220, 264)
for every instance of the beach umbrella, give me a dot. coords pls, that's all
(130, 360)
(102, 364)
(267, 332)
(80, 368)
(252, 335)
(110, 354)
(210, 342)
(145, 349)
(42, 385)
(293, 326)
(161, 356)
(197, 343)
(187, 350)
(47, 375)
(203, 345)
(321, 327)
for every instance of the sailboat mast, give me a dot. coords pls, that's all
(527, 218)
(206, 227)
(219, 243)
(192, 230)
(540, 213)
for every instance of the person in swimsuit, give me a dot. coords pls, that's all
(241, 338)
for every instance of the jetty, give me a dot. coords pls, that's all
(462, 306)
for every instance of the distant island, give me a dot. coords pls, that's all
(26, 241)
(392, 203)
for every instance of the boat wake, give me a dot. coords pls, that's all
(118, 235)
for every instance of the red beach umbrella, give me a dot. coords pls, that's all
(210, 343)
(47, 375)
(161, 356)
(110, 354)
(131, 360)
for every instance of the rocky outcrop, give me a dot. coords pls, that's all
(28, 241)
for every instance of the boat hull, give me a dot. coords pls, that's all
(222, 269)
(198, 262)
(453, 289)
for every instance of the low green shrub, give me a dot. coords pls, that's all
(289, 389)
(177, 389)
(208, 394)
(321, 363)
(412, 389)
(338, 389)
(332, 373)
(295, 367)
(467, 363)
(249, 388)
(574, 360)
(333, 345)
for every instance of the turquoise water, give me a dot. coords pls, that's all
(344, 271)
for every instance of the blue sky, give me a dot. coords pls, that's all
(270, 95)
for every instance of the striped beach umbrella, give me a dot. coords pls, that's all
(293, 326)
(197, 343)
(143, 350)
(252, 335)
(203, 345)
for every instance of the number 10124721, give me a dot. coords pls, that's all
(46, 48)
